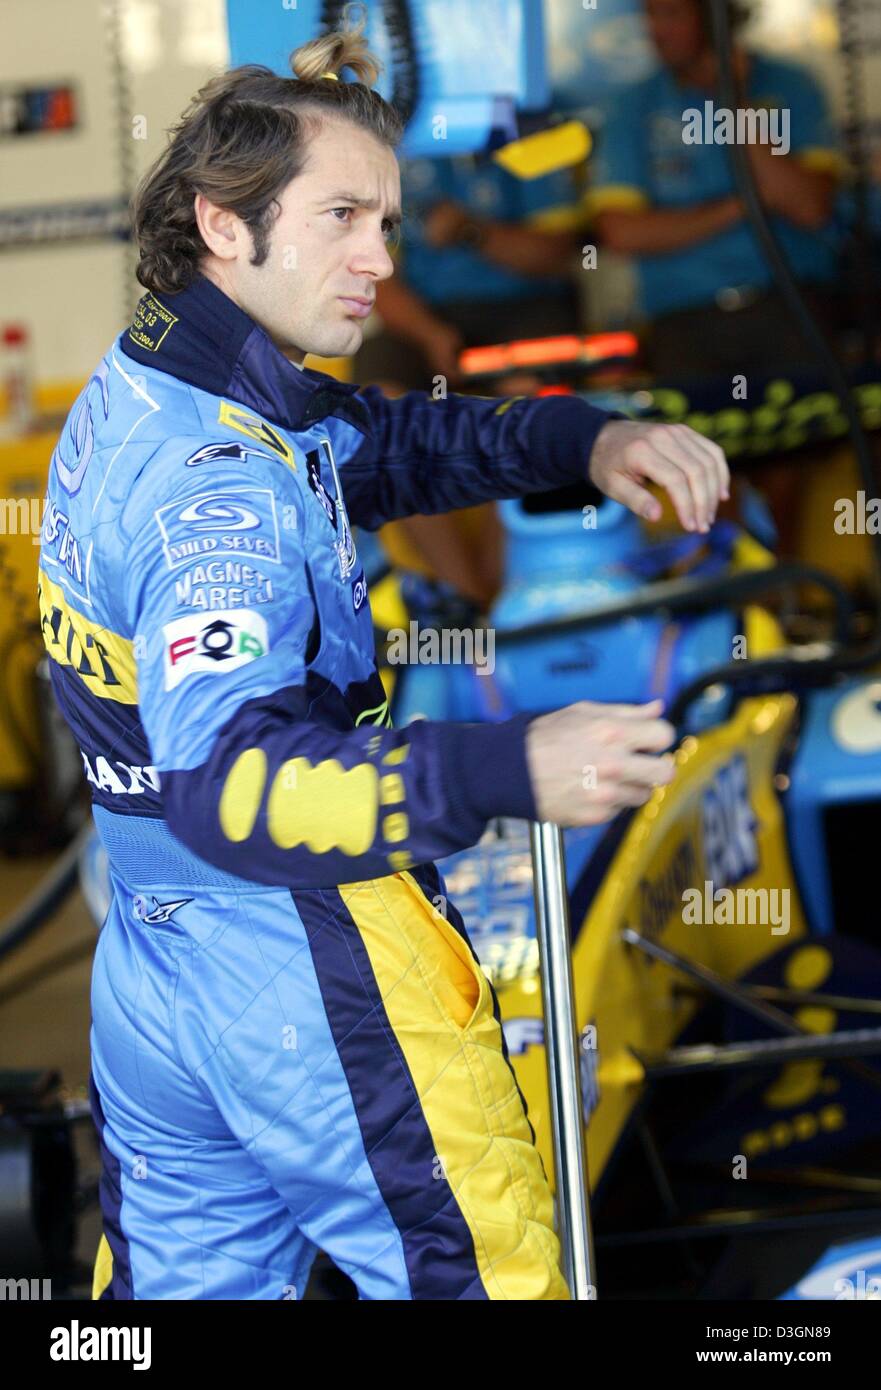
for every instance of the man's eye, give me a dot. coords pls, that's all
(390, 229)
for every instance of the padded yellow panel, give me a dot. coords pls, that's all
(547, 150)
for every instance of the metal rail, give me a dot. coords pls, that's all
(562, 1051)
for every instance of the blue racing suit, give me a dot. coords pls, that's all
(293, 1044)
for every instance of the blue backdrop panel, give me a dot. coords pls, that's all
(477, 64)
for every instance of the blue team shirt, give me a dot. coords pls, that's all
(441, 275)
(643, 160)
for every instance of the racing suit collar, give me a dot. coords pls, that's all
(200, 336)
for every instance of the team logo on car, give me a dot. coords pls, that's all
(523, 1033)
(731, 850)
(230, 640)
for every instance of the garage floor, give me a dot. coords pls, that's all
(44, 1023)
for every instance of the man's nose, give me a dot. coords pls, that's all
(372, 257)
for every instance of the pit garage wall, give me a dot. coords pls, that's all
(75, 296)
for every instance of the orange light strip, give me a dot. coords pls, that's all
(532, 352)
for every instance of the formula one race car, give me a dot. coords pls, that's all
(726, 962)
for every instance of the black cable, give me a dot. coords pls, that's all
(728, 94)
(29, 980)
(854, 128)
(690, 596)
(47, 897)
(404, 64)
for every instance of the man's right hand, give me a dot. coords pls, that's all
(589, 761)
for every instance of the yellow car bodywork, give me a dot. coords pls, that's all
(630, 1002)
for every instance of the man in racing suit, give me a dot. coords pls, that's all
(293, 1044)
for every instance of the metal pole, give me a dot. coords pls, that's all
(562, 1046)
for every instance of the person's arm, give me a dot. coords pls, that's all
(801, 184)
(652, 231)
(404, 313)
(426, 455)
(526, 247)
(407, 317)
(804, 196)
(252, 781)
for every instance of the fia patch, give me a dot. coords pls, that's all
(151, 324)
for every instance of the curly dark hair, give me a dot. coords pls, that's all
(241, 141)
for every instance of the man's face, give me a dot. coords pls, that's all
(328, 248)
(676, 30)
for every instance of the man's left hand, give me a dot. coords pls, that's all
(691, 469)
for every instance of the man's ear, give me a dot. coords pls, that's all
(218, 227)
